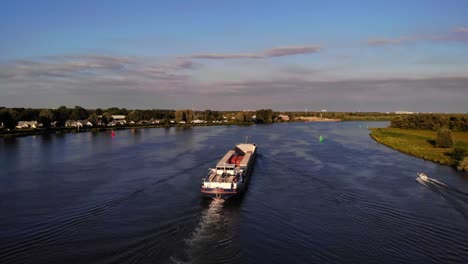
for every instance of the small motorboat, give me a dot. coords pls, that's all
(422, 176)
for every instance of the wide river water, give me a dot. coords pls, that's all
(135, 198)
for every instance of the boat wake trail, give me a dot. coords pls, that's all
(210, 242)
(68, 223)
(455, 197)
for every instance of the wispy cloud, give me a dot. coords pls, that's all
(424, 94)
(93, 75)
(387, 41)
(101, 81)
(288, 51)
(459, 35)
(462, 30)
(222, 56)
(269, 53)
(86, 65)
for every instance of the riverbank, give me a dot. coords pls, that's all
(63, 130)
(317, 119)
(420, 143)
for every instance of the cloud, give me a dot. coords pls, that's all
(462, 30)
(142, 83)
(87, 65)
(221, 56)
(288, 51)
(385, 91)
(136, 82)
(386, 41)
(269, 53)
(92, 77)
(455, 35)
(458, 35)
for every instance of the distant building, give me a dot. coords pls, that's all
(155, 121)
(85, 123)
(284, 117)
(28, 124)
(119, 119)
(198, 121)
(78, 123)
(404, 113)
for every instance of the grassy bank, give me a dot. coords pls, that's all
(420, 143)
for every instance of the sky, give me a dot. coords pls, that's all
(236, 55)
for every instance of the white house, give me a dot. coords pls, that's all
(78, 123)
(198, 121)
(119, 119)
(284, 117)
(28, 124)
(85, 123)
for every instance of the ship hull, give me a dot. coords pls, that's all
(217, 193)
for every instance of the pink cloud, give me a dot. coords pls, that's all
(269, 53)
(462, 30)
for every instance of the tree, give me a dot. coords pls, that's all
(106, 118)
(208, 115)
(94, 119)
(29, 115)
(79, 113)
(179, 116)
(117, 111)
(61, 115)
(463, 166)
(458, 153)
(240, 117)
(189, 116)
(134, 116)
(184, 115)
(264, 116)
(444, 138)
(7, 117)
(46, 116)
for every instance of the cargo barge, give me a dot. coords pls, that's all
(232, 173)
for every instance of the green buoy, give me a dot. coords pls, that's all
(320, 139)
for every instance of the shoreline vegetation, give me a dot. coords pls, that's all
(63, 130)
(18, 122)
(420, 136)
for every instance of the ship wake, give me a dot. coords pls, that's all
(456, 198)
(210, 242)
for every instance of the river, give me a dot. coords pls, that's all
(135, 198)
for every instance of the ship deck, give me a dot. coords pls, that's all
(218, 178)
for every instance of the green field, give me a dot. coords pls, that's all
(420, 143)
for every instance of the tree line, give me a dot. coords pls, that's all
(9, 117)
(454, 122)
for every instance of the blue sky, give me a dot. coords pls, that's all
(339, 55)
